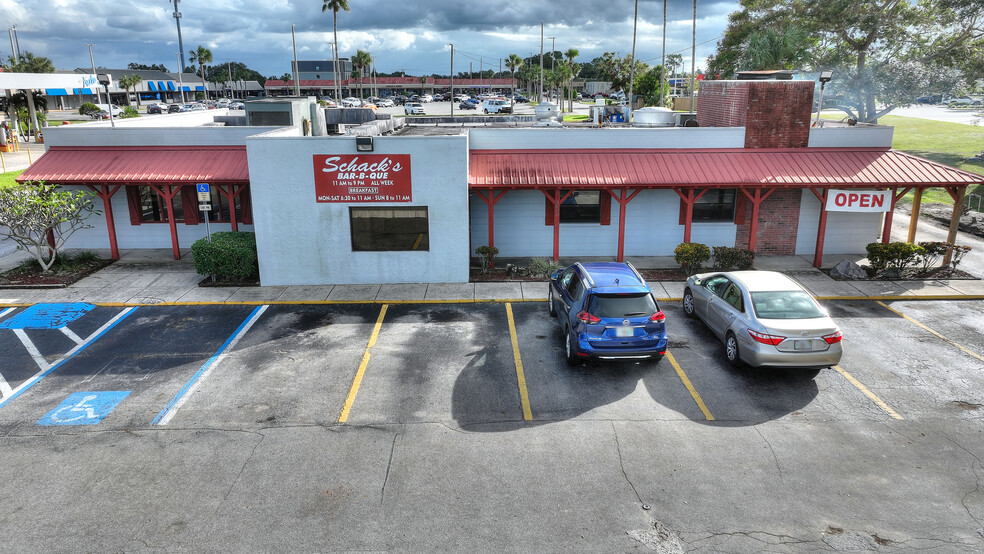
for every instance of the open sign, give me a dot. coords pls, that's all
(859, 200)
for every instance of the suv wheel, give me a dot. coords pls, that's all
(550, 302)
(570, 349)
(486, 111)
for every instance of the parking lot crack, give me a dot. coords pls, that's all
(774, 457)
(621, 464)
(977, 484)
(389, 465)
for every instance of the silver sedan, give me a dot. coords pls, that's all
(764, 318)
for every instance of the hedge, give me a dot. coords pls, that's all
(230, 255)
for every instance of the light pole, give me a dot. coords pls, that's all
(452, 79)
(635, 19)
(229, 69)
(825, 77)
(539, 96)
(98, 99)
(180, 78)
(105, 79)
(693, 61)
(177, 21)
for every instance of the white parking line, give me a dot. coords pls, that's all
(199, 377)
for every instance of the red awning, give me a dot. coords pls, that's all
(710, 168)
(140, 165)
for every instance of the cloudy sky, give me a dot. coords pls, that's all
(407, 35)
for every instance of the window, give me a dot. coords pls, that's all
(147, 206)
(574, 288)
(733, 296)
(153, 208)
(389, 229)
(715, 205)
(220, 207)
(582, 206)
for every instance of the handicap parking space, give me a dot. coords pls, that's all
(144, 359)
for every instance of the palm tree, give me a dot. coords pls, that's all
(360, 61)
(128, 82)
(201, 56)
(29, 63)
(512, 62)
(334, 6)
(571, 55)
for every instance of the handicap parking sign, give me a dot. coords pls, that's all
(84, 408)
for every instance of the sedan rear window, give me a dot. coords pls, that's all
(622, 305)
(791, 304)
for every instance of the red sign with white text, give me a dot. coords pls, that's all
(362, 178)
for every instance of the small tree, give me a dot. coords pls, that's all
(90, 110)
(29, 211)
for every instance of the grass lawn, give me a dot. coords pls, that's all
(949, 143)
(7, 179)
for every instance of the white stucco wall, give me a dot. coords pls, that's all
(846, 232)
(565, 138)
(652, 228)
(303, 242)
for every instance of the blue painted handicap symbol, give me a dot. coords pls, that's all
(47, 316)
(84, 408)
(202, 187)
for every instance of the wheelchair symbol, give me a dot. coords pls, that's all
(79, 411)
(84, 408)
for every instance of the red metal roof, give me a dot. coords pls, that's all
(140, 164)
(709, 168)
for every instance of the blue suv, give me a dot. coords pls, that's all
(607, 311)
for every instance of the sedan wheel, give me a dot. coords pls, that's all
(731, 350)
(550, 302)
(688, 303)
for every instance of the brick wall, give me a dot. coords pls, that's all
(777, 223)
(775, 114)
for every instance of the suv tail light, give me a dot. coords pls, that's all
(588, 318)
(833, 337)
(657, 317)
(765, 338)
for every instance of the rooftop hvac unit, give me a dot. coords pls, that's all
(686, 119)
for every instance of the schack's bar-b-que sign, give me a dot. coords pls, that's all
(362, 178)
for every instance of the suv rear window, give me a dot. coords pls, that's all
(622, 305)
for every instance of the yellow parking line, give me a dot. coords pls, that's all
(950, 341)
(362, 367)
(868, 393)
(690, 387)
(524, 396)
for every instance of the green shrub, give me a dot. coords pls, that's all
(691, 255)
(729, 257)
(230, 255)
(90, 110)
(896, 255)
(542, 267)
(933, 251)
(129, 111)
(488, 254)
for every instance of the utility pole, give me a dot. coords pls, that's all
(98, 98)
(693, 61)
(662, 64)
(229, 69)
(452, 79)
(297, 80)
(17, 41)
(539, 97)
(180, 78)
(177, 21)
(481, 76)
(635, 19)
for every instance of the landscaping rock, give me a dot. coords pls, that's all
(846, 269)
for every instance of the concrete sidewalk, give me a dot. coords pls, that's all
(146, 277)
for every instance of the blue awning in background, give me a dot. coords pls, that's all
(83, 91)
(170, 86)
(56, 92)
(186, 88)
(160, 86)
(151, 86)
(199, 87)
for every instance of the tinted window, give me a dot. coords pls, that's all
(572, 285)
(715, 205)
(793, 304)
(389, 229)
(732, 295)
(565, 279)
(622, 305)
(582, 206)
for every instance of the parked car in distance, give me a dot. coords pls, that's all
(764, 319)
(496, 105)
(104, 110)
(461, 97)
(237, 106)
(519, 98)
(413, 108)
(963, 101)
(385, 103)
(174, 108)
(399, 100)
(351, 102)
(929, 99)
(468, 104)
(157, 108)
(426, 98)
(606, 311)
(196, 107)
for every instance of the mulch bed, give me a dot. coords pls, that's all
(207, 282)
(914, 274)
(25, 276)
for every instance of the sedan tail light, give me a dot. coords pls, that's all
(657, 317)
(588, 318)
(833, 337)
(765, 338)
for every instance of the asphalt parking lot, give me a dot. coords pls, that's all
(441, 426)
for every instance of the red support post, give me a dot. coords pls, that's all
(689, 199)
(555, 197)
(107, 197)
(887, 229)
(757, 198)
(490, 201)
(821, 228)
(622, 202)
(169, 200)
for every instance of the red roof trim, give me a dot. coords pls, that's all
(709, 168)
(138, 165)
